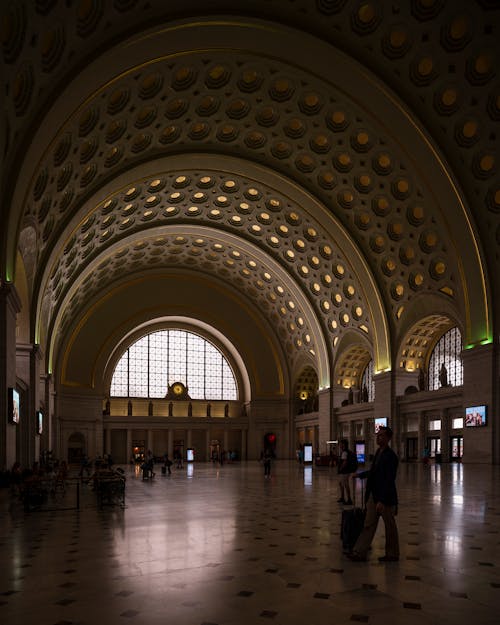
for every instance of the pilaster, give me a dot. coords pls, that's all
(481, 444)
(324, 420)
(10, 305)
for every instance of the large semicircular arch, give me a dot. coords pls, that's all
(253, 251)
(298, 196)
(188, 323)
(334, 67)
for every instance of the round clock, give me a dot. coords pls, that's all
(178, 388)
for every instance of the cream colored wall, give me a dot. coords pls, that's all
(79, 412)
(81, 378)
(90, 345)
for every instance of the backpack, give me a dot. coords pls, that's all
(352, 462)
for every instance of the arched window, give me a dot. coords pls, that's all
(161, 358)
(368, 381)
(448, 350)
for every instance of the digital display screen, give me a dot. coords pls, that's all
(475, 416)
(308, 453)
(190, 455)
(360, 452)
(381, 422)
(39, 421)
(14, 405)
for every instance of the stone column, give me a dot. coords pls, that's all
(189, 438)
(10, 305)
(368, 437)
(170, 443)
(352, 434)
(402, 420)
(302, 432)
(149, 443)
(226, 439)
(445, 435)
(107, 438)
(34, 400)
(384, 405)
(128, 453)
(48, 438)
(481, 387)
(324, 420)
(422, 433)
(207, 443)
(28, 370)
(243, 451)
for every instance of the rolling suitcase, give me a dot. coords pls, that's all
(352, 522)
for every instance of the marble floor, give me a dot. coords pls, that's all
(215, 545)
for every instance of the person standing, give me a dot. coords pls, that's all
(381, 501)
(267, 458)
(344, 471)
(150, 464)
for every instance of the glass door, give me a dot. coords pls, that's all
(434, 445)
(457, 448)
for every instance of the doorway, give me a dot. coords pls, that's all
(434, 446)
(138, 451)
(76, 448)
(457, 448)
(215, 451)
(411, 449)
(179, 451)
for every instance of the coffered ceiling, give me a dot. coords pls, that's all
(335, 162)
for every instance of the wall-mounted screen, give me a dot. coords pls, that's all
(14, 407)
(381, 422)
(39, 421)
(360, 452)
(475, 416)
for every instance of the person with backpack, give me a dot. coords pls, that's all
(348, 464)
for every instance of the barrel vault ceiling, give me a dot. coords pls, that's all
(239, 144)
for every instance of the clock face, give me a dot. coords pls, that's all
(178, 388)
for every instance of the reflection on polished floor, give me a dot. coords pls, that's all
(221, 545)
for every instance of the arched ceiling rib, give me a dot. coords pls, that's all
(220, 256)
(261, 240)
(317, 137)
(270, 106)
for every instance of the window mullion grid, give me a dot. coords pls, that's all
(221, 378)
(208, 381)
